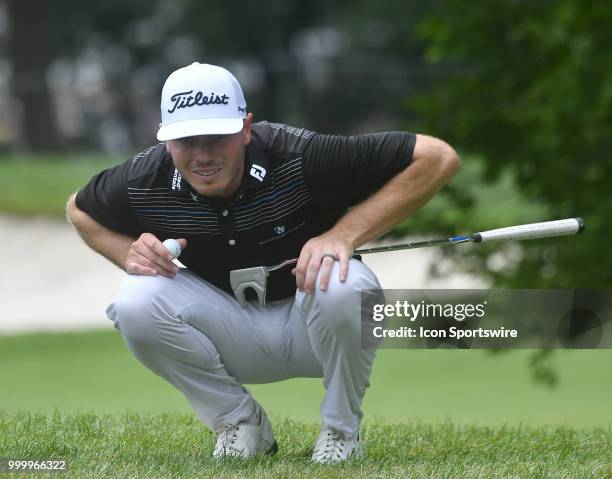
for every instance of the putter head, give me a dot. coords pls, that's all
(255, 278)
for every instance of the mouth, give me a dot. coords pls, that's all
(208, 172)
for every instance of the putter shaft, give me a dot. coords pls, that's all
(545, 229)
(394, 247)
(255, 278)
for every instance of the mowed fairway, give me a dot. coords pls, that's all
(175, 445)
(429, 414)
(94, 371)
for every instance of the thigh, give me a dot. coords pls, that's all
(255, 345)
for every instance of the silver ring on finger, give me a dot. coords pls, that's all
(330, 255)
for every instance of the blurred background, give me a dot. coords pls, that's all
(523, 90)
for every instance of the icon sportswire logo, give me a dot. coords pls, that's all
(258, 172)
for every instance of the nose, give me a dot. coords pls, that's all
(202, 151)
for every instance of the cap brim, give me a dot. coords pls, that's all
(209, 126)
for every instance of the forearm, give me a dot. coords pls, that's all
(110, 244)
(434, 163)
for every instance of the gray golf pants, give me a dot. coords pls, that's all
(197, 337)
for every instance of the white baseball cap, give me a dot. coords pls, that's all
(201, 99)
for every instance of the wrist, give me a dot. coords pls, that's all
(346, 235)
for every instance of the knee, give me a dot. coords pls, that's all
(348, 292)
(134, 307)
(341, 302)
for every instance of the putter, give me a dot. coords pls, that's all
(256, 278)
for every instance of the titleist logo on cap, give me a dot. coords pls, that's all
(201, 99)
(185, 100)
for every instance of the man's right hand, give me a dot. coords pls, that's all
(148, 256)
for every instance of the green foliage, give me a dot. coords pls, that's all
(177, 445)
(470, 203)
(532, 92)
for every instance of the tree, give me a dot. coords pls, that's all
(533, 93)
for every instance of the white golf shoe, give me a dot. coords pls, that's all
(246, 440)
(335, 446)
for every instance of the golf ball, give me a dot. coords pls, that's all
(173, 246)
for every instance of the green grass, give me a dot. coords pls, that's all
(176, 445)
(82, 397)
(94, 371)
(40, 185)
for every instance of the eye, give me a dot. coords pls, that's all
(186, 141)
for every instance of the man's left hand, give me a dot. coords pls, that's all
(318, 256)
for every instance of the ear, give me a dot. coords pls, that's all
(246, 130)
(159, 125)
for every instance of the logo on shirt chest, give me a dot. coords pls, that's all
(258, 172)
(281, 231)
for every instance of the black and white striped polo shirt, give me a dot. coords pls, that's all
(296, 185)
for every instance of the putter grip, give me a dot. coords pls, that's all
(532, 231)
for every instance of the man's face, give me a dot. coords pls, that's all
(212, 164)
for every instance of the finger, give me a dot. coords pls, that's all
(293, 271)
(311, 273)
(135, 268)
(344, 266)
(156, 246)
(300, 268)
(325, 272)
(168, 271)
(142, 249)
(182, 242)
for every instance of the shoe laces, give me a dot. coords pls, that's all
(334, 444)
(227, 437)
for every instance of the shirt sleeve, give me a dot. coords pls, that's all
(105, 199)
(341, 171)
